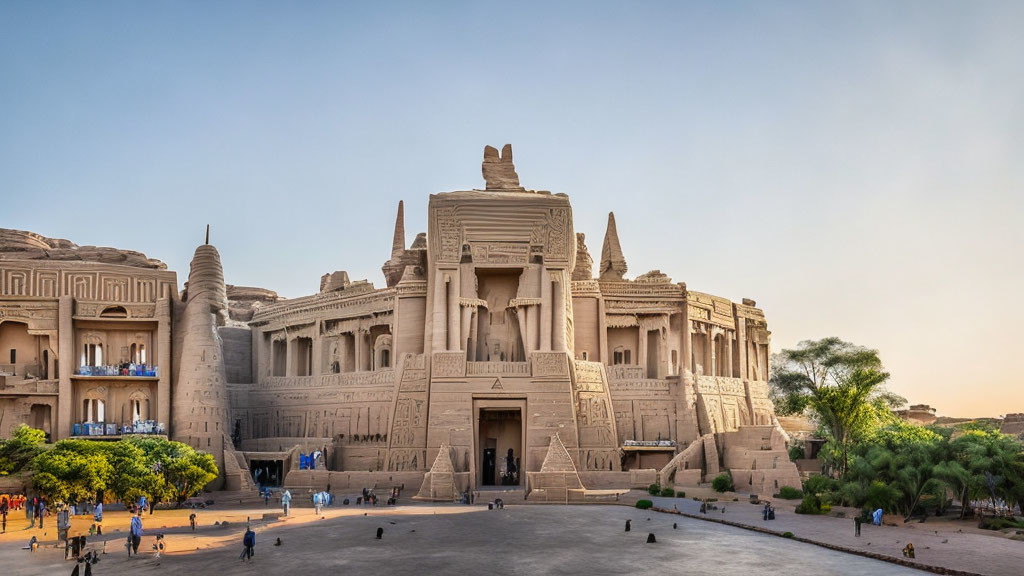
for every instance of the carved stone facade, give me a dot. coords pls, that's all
(490, 348)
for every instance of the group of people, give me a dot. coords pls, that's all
(768, 513)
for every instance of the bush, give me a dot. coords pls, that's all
(999, 523)
(787, 534)
(644, 504)
(817, 484)
(668, 492)
(680, 494)
(722, 483)
(796, 452)
(790, 493)
(654, 489)
(811, 504)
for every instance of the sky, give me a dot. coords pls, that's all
(856, 168)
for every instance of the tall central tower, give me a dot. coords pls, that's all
(200, 401)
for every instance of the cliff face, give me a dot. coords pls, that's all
(243, 302)
(22, 245)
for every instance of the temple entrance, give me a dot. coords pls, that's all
(501, 446)
(267, 472)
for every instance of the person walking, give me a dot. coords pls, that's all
(856, 526)
(98, 517)
(286, 500)
(192, 521)
(136, 533)
(3, 512)
(266, 497)
(249, 543)
(42, 512)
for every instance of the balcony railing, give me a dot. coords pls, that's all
(137, 370)
(112, 428)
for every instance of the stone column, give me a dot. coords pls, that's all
(545, 310)
(641, 349)
(532, 312)
(664, 357)
(466, 327)
(558, 303)
(68, 364)
(289, 355)
(522, 314)
(163, 386)
(728, 355)
(316, 366)
(687, 351)
(474, 327)
(741, 347)
(454, 337)
(440, 313)
(360, 338)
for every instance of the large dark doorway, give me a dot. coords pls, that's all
(501, 444)
(267, 472)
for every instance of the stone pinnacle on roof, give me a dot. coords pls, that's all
(499, 171)
(398, 243)
(613, 263)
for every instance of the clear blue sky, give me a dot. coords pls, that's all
(856, 168)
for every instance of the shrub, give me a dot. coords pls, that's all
(817, 484)
(668, 492)
(796, 452)
(654, 489)
(680, 494)
(644, 504)
(1000, 523)
(722, 483)
(811, 504)
(787, 534)
(790, 493)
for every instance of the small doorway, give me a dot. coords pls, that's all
(490, 459)
(501, 446)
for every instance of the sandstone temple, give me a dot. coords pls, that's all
(496, 354)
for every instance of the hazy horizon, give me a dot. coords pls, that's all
(855, 169)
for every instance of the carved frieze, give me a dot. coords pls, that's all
(500, 252)
(448, 365)
(550, 364)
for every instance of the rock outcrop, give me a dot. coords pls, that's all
(499, 171)
(22, 245)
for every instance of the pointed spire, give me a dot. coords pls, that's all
(398, 244)
(207, 233)
(613, 263)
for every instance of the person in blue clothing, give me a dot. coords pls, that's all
(249, 542)
(136, 534)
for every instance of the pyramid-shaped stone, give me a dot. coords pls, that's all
(439, 482)
(557, 459)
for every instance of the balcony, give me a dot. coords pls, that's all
(111, 430)
(123, 371)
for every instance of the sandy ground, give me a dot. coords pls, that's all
(944, 542)
(429, 539)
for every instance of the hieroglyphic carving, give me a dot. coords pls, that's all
(449, 234)
(625, 372)
(500, 252)
(550, 364)
(85, 281)
(558, 245)
(588, 376)
(448, 365)
(496, 368)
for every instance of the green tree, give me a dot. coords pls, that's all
(841, 384)
(18, 451)
(72, 471)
